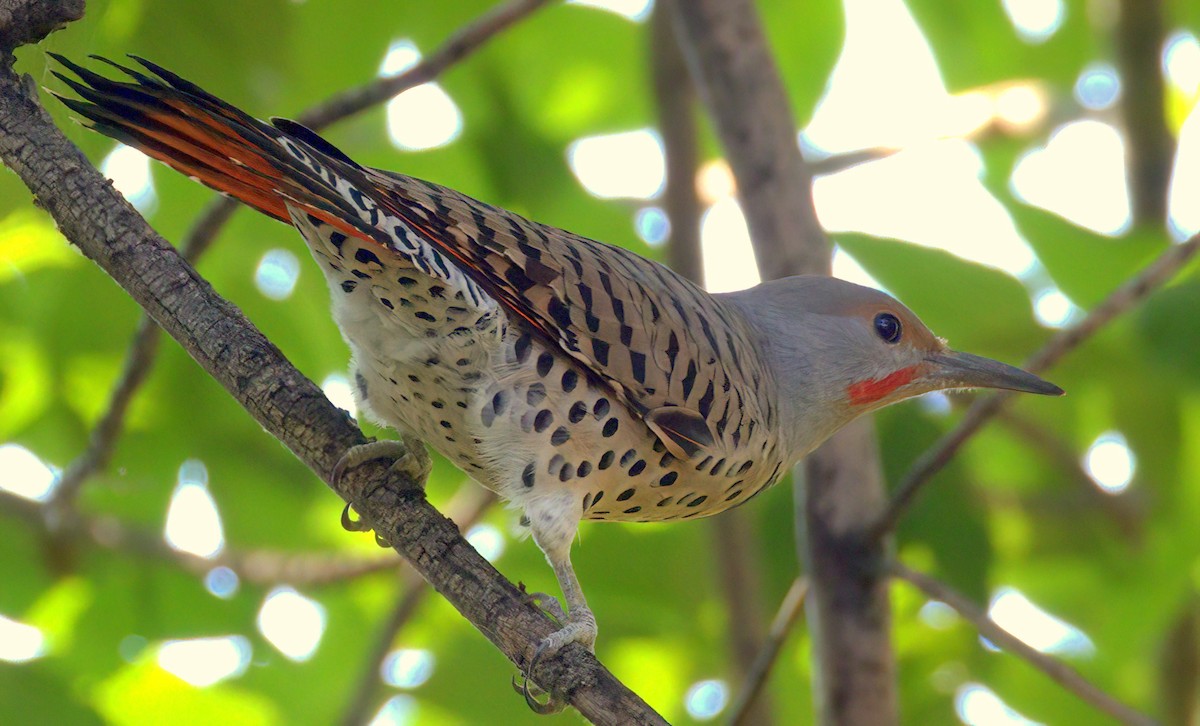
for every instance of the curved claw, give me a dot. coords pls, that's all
(382, 542)
(531, 691)
(351, 524)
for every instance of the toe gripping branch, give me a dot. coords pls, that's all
(410, 461)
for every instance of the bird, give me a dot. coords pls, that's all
(576, 379)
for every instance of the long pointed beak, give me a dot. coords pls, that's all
(963, 370)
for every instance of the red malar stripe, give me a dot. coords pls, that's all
(872, 390)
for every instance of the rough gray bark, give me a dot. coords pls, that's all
(289, 406)
(842, 489)
(1150, 147)
(736, 546)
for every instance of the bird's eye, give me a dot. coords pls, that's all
(888, 327)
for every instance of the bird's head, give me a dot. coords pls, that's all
(839, 350)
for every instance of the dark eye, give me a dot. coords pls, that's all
(888, 327)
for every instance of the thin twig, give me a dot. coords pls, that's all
(1058, 671)
(256, 567)
(1125, 510)
(1122, 299)
(785, 618)
(472, 501)
(463, 43)
(204, 231)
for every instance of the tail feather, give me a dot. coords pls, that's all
(179, 123)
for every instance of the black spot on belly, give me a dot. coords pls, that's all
(545, 362)
(413, 378)
(638, 467)
(600, 409)
(522, 347)
(361, 382)
(437, 291)
(570, 379)
(527, 475)
(665, 502)
(425, 316)
(349, 285)
(584, 468)
(445, 424)
(625, 494)
(565, 474)
(698, 501)
(500, 401)
(536, 394)
(406, 281)
(733, 496)
(606, 460)
(438, 404)
(336, 239)
(610, 427)
(599, 496)
(628, 457)
(578, 410)
(668, 479)
(560, 436)
(387, 303)
(633, 510)
(542, 421)
(360, 274)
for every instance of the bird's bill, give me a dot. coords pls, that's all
(963, 370)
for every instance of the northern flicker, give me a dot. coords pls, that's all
(575, 379)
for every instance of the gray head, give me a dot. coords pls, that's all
(839, 350)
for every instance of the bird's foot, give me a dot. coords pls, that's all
(410, 458)
(550, 605)
(579, 626)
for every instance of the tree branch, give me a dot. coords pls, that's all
(842, 488)
(1059, 672)
(105, 227)
(473, 501)
(1150, 149)
(144, 347)
(1122, 299)
(257, 567)
(736, 545)
(23, 22)
(756, 676)
(463, 43)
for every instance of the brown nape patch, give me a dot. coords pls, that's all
(914, 331)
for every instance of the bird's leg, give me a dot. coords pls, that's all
(578, 625)
(411, 461)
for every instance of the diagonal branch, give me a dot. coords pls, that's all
(144, 346)
(1059, 672)
(1125, 297)
(91, 214)
(756, 677)
(472, 501)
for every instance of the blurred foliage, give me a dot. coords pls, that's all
(1004, 513)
